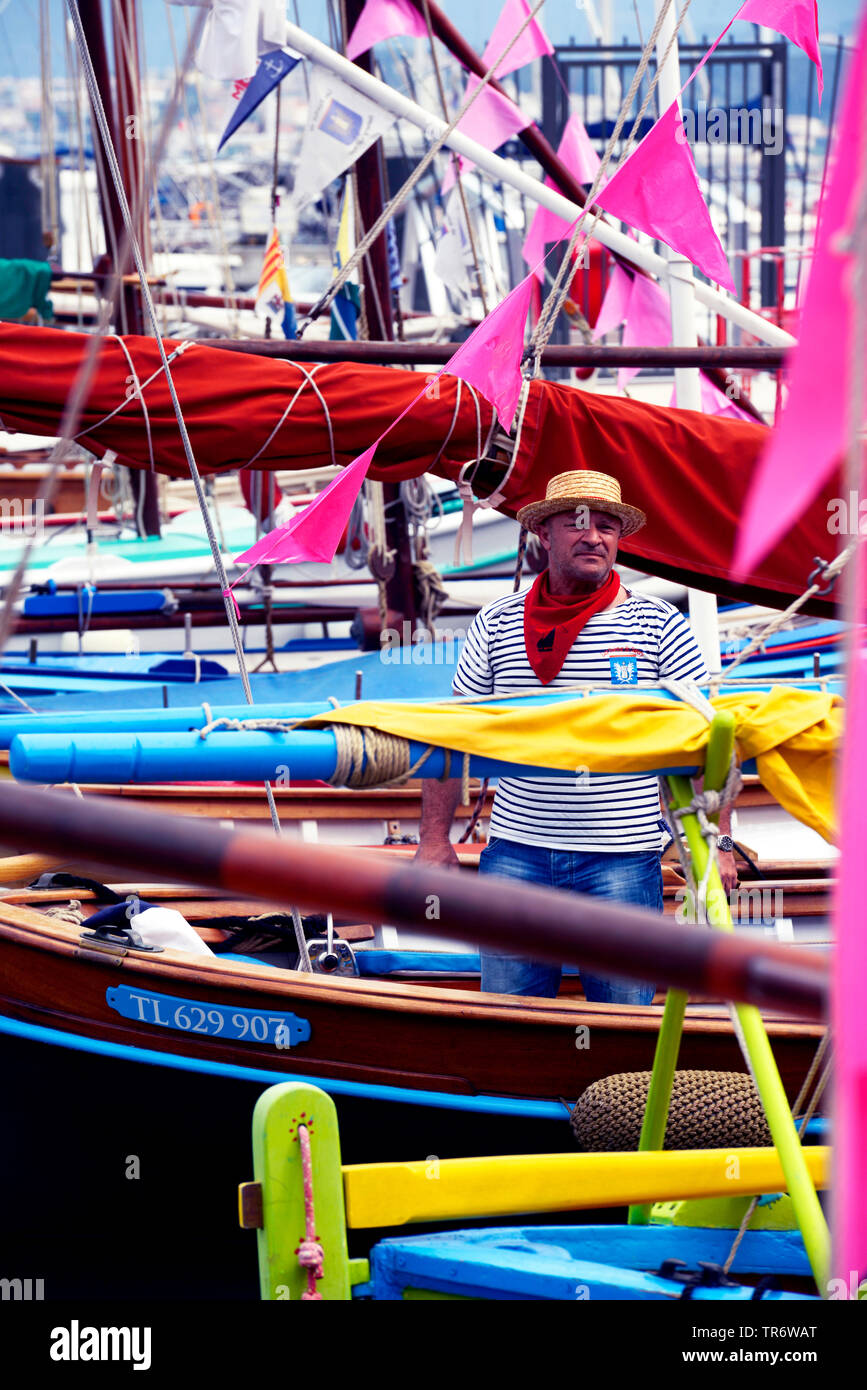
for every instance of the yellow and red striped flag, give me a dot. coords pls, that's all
(273, 297)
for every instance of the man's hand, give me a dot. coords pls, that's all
(440, 853)
(728, 872)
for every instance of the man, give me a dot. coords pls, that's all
(600, 834)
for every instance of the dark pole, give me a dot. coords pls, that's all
(566, 926)
(556, 354)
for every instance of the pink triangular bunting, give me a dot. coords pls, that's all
(533, 43)
(384, 19)
(490, 359)
(657, 190)
(314, 534)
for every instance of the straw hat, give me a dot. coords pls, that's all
(566, 492)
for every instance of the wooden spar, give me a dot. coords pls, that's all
(555, 355)
(566, 927)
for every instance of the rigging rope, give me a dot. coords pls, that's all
(826, 575)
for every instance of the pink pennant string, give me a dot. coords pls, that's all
(491, 121)
(811, 437)
(314, 534)
(715, 402)
(533, 42)
(384, 19)
(657, 190)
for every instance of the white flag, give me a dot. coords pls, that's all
(237, 33)
(454, 253)
(341, 125)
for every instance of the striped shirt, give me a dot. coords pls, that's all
(639, 640)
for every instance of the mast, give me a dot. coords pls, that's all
(126, 124)
(130, 152)
(400, 593)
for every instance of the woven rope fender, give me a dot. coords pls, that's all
(709, 1110)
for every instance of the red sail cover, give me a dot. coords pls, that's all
(689, 472)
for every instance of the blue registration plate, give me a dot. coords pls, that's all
(281, 1030)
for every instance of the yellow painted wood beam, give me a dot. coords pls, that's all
(395, 1194)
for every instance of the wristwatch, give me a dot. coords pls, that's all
(725, 843)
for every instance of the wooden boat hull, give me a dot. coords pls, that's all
(363, 1032)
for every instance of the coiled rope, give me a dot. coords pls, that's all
(365, 758)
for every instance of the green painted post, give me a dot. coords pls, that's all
(720, 746)
(277, 1168)
(805, 1202)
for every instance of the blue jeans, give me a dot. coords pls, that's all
(628, 878)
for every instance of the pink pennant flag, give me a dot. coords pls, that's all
(849, 957)
(490, 359)
(384, 19)
(810, 440)
(491, 121)
(648, 321)
(577, 153)
(715, 402)
(533, 42)
(314, 534)
(798, 20)
(657, 190)
(615, 305)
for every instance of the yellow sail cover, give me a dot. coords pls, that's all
(792, 734)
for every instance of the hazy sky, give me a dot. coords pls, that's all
(564, 20)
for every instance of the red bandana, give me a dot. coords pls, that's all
(552, 622)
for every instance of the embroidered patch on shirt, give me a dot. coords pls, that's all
(623, 662)
(624, 670)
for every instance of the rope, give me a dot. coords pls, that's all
(139, 396)
(308, 381)
(310, 1254)
(808, 1114)
(825, 576)
(140, 386)
(477, 811)
(381, 559)
(397, 200)
(365, 757)
(7, 691)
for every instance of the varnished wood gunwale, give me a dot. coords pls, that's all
(387, 1032)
